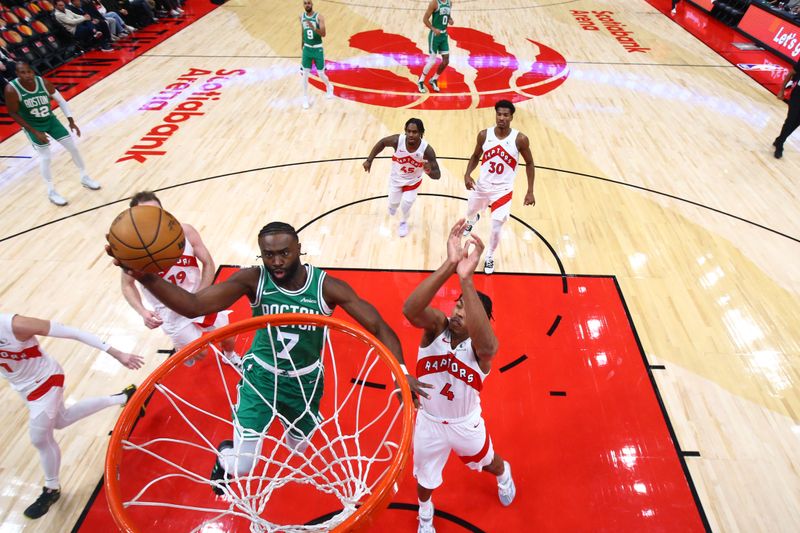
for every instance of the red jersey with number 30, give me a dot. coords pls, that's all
(455, 375)
(186, 274)
(24, 364)
(499, 161)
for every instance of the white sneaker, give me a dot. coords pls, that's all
(130, 29)
(402, 229)
(57, 199)
(89, 183)
(329, 92)
(506, 491)
(673, 11)
(488, 265)
(306, 104)
(425, 524)
(470, 225)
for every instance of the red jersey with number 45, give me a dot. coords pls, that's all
(186, 274)
(499, 161)
(24, 364)
(455, 375)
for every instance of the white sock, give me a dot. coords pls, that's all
(494, 238)
(240, 459)
(72, 148)
(426, 509)
(305, 83)
(44, 166)
(503, 478)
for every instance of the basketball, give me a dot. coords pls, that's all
(146, 238)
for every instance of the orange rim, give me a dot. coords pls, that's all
(385, 489)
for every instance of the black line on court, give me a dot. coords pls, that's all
(658, 367)
(162, 351)
(515, 362)
(558, 393)
(460, 9)
(369, 384)
(686, 453)
(15, 157)
(670, 428)
(340, 159)
(223, 56)
(552, 329)
(88, 505)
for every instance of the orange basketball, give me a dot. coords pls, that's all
(146, 238)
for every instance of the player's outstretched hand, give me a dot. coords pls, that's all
(128, 360)
(417, 389)
(367, 165)
(471, 255)
(135, 274)
(74, 127)
(454, 248)
(469, 183)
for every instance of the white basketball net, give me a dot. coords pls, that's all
(339, 460)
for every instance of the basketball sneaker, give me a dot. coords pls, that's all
(57, 199)
(128, 392)
(434, 85)
(470, 225)
(42, 504)
(425, 522)
(421, 87)
(488, 265)
(89, 183)
(218, 477)
(402, 229)
(506, 491)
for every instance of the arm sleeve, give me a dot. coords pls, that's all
(62, 103)
(67, 332)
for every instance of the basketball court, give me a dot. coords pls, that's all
(646, 306)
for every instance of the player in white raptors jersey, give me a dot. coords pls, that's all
(498, 151)
(39, 379)
(187, 274)
(455, 356)
(412, 156)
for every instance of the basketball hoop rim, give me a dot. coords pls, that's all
(122, 429)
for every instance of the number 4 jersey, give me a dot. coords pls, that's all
(499, 162)
(455, 375)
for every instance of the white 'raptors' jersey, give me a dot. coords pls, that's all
(455, 375)
(186, 274)
(407, 166)
(24, 364)
(499, 161)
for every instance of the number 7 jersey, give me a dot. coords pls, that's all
(455, 375)
(499, 161)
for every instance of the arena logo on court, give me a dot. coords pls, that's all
(188, 108)
(605, 19)
(387, 75)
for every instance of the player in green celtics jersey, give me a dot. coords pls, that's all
(313, 30)
(437, 18)
(293, 375)
(28, 101)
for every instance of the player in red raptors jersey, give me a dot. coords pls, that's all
(187, 274)
(39, 379)
(412, 156)
(455, 356)
(498, 151)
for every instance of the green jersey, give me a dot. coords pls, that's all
(297, 346)
(441, 17)
(310, 37)
(34, 106)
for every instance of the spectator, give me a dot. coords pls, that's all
(87, 32)
(136, 13)
(116, 25)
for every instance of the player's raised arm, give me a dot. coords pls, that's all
(391, 140)
(25, 327)
(524, 147)
(203, 255)
(209, 300)
(484, 341)
(337, 292)
(431, 164)
(417, 308)
(474, 160)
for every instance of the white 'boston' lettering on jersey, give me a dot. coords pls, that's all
(24, 364)
(499, 161)
(455, 375)
(407, 166)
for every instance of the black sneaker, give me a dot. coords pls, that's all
(778, 151)
(218, 476)
(434, 85)
(129, 391)
(42, 504)
(421, 87)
